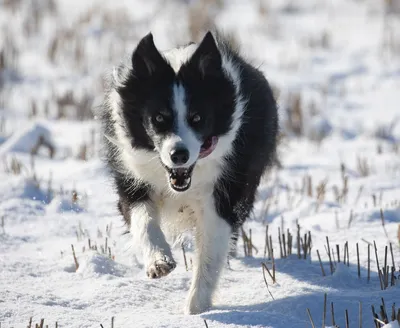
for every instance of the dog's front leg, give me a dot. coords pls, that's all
(212, 245)
(147, 234)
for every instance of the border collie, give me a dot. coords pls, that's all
(188, 133)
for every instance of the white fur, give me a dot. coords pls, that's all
(212, 244)
(185, 135)
(178, 56)
(146, 232)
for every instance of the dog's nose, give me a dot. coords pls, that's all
(179, 156)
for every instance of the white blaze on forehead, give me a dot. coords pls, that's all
(178, 56)
(183, 135)
(178, 103)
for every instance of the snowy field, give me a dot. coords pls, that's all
(335, 69)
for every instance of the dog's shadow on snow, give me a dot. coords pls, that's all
(343, 289)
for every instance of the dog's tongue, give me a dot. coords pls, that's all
(208, 146)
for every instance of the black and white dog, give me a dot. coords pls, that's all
(188, 134)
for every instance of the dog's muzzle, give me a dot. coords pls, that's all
(180, 178)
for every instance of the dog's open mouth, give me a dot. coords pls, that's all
(180, 178)
(208, 146)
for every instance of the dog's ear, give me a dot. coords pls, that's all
(146, 59)
(207, 57)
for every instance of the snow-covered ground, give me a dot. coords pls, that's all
(337, 63)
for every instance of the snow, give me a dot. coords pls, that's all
(26, 139)
(332, 53)
(393, 324)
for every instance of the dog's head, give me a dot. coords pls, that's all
(178, 110)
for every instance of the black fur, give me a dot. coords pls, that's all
(254, 147)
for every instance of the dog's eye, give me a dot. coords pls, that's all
(196, 118)
(159, 118)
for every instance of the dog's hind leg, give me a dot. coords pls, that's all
(212, 245)
(147, 234)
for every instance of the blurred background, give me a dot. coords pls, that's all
(324, 58)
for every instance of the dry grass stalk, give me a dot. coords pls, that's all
(75, 199)
(320, 263)
(363, 168)
(280, 243)
(377, 321)
(295, 115)
(345, 189)
(184, 257)
(266, 206)
(273, 265)
(244, 237)
(358, 262)
(321, 191)
(272, 275)
(377, 264)
(333, 315)
(33, 113)
(309, 186)
(298, 241)
(360, 190)
(15, 166)
(386, 270)
(350, 219)
(391, 253)
(384, 317)
(284, 245)
(75, 259)
(324, 313)
(108, 230)
(383, 223)
(289, 242)
(369, 263)
(346, 254)
(266, 247)
(83, 152)
(310, 317)
(248, 244)
(264, 267)
(329, 254)
(333, 257)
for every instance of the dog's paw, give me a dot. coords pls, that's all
(160, 267)
(198, 302)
